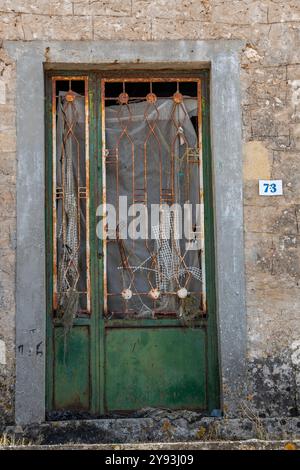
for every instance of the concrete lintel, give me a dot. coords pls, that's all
(31, 58)
(129, 52)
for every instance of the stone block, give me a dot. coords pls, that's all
(7, 118)
(43, 7)
(59, 28)
(195, 10)
(8, 140)
(11, 27)
(239, 11)
(286, 167)
(280, 45)
(7, 233)
(280, 219)
(257, 161)
(264, 86)
(7, 200)
(103, 8)
(269, 254)
(281, 11)
(181, 29)
(121, 28)
(8, 165)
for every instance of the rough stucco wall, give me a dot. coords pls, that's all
(270, 78)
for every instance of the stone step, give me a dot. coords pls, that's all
(157, 426)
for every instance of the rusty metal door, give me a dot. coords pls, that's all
(131, 318)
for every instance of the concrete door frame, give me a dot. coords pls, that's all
(223, 59)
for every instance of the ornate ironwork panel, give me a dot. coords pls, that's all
(154, 249)
(71, 272)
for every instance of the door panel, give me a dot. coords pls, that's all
(71, 317)
(72, 369)
(153, 155)
(156, 367)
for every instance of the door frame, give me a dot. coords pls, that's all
(223, 59)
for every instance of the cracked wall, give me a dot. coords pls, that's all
(270, 79)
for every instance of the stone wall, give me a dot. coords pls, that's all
(270, 78)
(7, 234)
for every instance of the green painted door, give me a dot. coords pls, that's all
(129, 221)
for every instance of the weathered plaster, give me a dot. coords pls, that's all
(256, 161)
(223, 58)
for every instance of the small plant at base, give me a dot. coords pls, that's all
(7, 440)
(261, 433)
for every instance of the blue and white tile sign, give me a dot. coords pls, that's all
(270, 188)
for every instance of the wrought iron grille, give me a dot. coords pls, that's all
(152, 154)
(71, 265)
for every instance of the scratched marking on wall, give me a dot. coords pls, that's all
(2, 352)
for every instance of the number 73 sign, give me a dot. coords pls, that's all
(270, 188)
